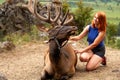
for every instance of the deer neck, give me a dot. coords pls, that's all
(54, 52)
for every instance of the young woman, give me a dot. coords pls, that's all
(94, 53)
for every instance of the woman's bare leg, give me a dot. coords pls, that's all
(85, 57)
(93, 63)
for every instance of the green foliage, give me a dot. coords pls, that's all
(118, 43)
(118, 2)
(18, 38)
(111, 9)
(1, 35)
(21, 38)
(65, 6)
(111, 33)
(112, 39)
(34, 33)
(82, 15)
(1, 1)
(118, 31)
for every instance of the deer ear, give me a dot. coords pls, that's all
(53, 30)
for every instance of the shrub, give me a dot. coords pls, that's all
(82, 15)
(118, 43)
(21, 38)
(111, 33)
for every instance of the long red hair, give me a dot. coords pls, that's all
(102, 21)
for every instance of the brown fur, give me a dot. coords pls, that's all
(59, 65)
(66, 66)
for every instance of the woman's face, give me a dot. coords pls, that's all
(96, 20)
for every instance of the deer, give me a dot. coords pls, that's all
(59, 60)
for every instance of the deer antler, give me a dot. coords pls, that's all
(69, 19)
(30, 6)
(47, 16)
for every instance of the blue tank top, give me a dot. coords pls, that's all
(92, 34)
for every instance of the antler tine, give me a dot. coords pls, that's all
(32, 7)
(29, 6)
(58, 15)
(64, 18)
(37, 14)
(69, 20)
(48, 17)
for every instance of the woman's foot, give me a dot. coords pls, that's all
(104, 61)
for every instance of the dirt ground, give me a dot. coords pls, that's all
(26, 63)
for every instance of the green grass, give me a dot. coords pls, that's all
(1, 1)
(112, 14)
(111, 9)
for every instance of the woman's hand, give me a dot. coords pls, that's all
(78, 51)
(71, 38)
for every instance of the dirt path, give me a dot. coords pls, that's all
(26, 63)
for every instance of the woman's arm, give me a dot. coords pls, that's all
(99, 38)
(81, 35)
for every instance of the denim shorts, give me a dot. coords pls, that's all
(99, 51)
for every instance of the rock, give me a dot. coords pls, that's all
(3, 77)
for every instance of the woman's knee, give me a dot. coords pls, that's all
(84, 58)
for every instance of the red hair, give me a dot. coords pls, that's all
(102, 21)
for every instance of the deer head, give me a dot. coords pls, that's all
(62, 33)
(58, 35)
(53, 15)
